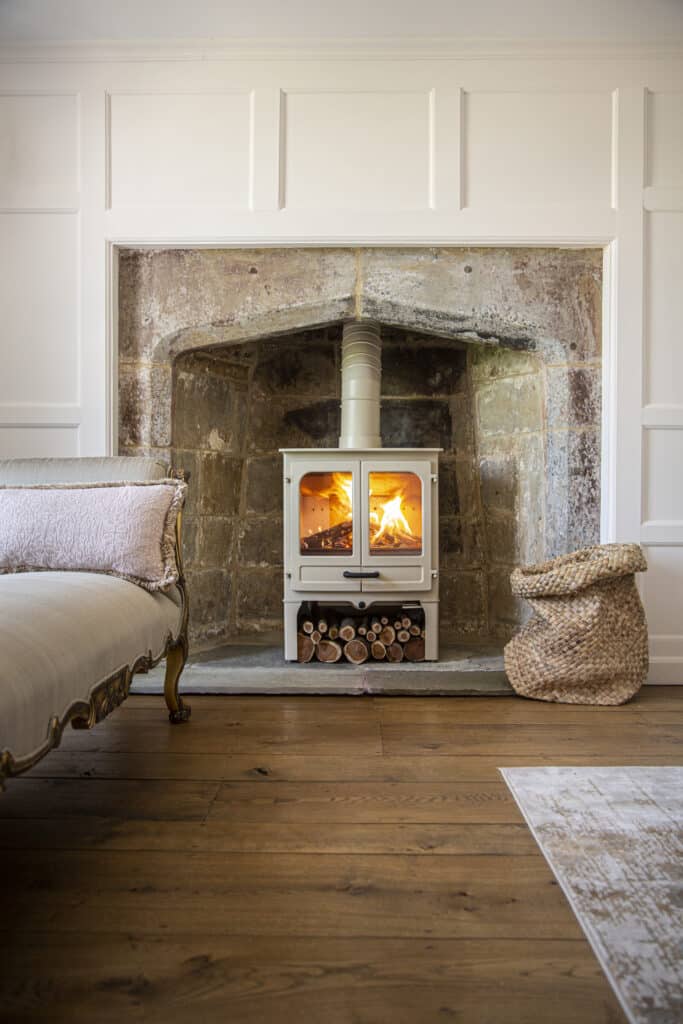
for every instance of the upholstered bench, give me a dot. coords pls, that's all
(72, 639)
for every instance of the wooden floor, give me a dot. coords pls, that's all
(305, 861)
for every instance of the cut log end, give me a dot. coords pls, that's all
(356, 651)
(328, 651)
(305, 648)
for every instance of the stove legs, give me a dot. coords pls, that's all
(431, 610)
(291, 614)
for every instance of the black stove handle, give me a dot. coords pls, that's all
(348, 575)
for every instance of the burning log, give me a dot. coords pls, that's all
(329, 651)
(336, 538)
(356, 651)
(305, 648)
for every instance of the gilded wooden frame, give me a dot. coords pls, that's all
(111, 692)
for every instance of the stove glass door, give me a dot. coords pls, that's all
(396, 509)
(326, 513)
(322, 534)
(394, 513)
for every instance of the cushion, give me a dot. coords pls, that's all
(125, 529)
(63, 633)
(112, 468)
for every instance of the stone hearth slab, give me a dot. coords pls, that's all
(260, 668)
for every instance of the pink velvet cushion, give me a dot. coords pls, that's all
(127, 530)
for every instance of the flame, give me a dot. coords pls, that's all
(393, 519)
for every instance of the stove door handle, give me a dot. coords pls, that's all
(348, 575)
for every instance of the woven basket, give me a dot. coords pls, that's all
(586, 642)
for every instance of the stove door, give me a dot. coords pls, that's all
(323, 516)
(396, 511)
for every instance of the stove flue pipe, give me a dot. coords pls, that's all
(361, 384)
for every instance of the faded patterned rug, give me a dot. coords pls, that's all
(614, 840)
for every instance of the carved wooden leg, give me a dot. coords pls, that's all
(175, 662)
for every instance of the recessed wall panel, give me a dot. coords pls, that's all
(39, 442)
(39, 298)
(664, 309)
(357, 150)
(38, 151)
(663, 496)
(179, 149)
(665, 139)
(663, 591)
(537, 148)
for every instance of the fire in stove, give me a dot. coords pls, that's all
(395, 513)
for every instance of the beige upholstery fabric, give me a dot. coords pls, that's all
(63, 633)
(124, 529)
(17, 472)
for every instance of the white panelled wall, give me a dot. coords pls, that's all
(409, 149)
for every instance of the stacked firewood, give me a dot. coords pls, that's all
(385, 637)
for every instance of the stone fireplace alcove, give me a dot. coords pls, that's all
(493, 354)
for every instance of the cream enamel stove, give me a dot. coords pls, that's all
(360, 521)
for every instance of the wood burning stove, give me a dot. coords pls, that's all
(361, 521)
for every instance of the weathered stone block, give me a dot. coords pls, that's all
(261, 543)
(416, 423)
(144, 414)
(264, 484)
(189, 464)
(502, 536)
(210, 596)
(491, 361)
(302, 424)
(215, 542)
(204, 411)
(221, 480)
(499, 482)
(460, 544)
(505, 611)
(242, 293)
(449, 497)
(190, 542)
(547, 300)
(573, 396)
(463, 605)
(422, 368)
(572, 491)
(462, 440)
(259, 600)
(303, 365)
(512, 405)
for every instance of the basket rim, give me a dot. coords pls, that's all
(577, 570)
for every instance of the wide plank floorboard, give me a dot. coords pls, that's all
(316, 860)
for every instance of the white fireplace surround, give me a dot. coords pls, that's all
(200, 148)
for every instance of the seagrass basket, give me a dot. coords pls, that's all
(586, 642)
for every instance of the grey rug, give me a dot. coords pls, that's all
(614, 839)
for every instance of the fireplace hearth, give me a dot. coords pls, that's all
(492, 355)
